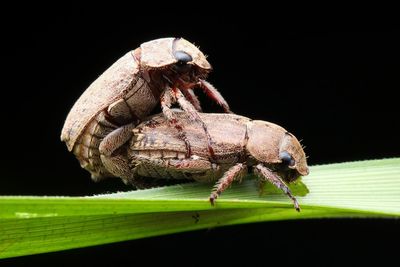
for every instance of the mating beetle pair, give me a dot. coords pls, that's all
(163, 70)
(103, 130)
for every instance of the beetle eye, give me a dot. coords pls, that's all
(181, 65)
(286, 158)
(182, 57)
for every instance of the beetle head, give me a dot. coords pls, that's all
(181, 62)
(275, 147)
(292, 155)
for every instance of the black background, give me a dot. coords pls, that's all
(333, 87)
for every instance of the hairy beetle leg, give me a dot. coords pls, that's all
(191, 111)
(266, 174)
(166, 101)
(116, 139)
(192, 98)
(213, 93)
(116, 164)
(171, 95)
(234, 173)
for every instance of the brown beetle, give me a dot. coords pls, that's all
(165, 69)
(156, 151)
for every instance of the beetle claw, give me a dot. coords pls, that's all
(212, 198)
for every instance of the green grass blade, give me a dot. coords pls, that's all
(30, 225)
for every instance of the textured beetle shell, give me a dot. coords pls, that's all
(158, 53)
(271, 138)
(236, 139)
(119, 94)
(157, 140)
(294, 148)
(163, 137)
(108, 88)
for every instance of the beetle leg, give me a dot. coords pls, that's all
(192, 98)
(120, 166)
(186, 105)
(167, 98)
(235, 172)
(191, 111)
(213, 93)
(266, 174)
(116, 139)
(116, 164)
(166, 103)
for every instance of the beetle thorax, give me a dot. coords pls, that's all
(277, 149)
(175, 61)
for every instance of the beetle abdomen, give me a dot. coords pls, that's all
(105, 90)
(86, 148)
(149, 170)
(156, 135)
(133, 107)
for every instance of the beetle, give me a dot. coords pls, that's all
(163, 70)
(241, 145)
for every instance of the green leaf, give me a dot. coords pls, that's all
(298, 188)
(30, 225)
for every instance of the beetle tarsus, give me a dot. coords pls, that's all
(212, 198)
(265, 174)
(296, 205)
